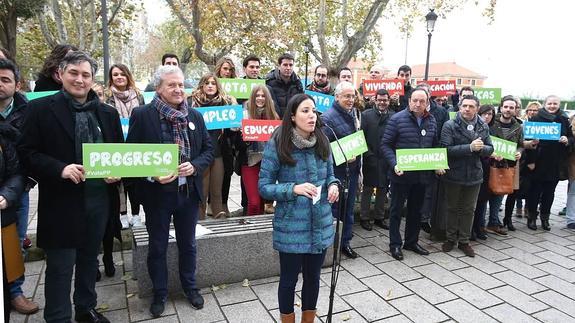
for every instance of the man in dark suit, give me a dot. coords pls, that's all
(168, 119)
(72, 211)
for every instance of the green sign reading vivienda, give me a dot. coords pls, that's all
(239, 88)
(503, 148)
(129, 160)
(421, 159)
(488, 95)
(352, 145)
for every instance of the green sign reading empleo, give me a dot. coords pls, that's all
(421, 159)
(129, 160)
(239, 88)
(352, 145)
(503, 148)
(488, 95)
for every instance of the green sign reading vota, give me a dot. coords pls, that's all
(503, 148)
(352, 145)
(421, 159)
(129, 160)
(239, 88)
(36, 95)
(488, 95)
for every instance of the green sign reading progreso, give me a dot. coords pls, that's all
(421, 159)
(352, 145)
(129, 160)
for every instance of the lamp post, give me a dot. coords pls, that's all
(430, 18)
(306, 51)
(105, 41)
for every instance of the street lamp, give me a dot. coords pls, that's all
(306, 49)
(430, 18)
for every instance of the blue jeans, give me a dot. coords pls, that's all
(159, 211)
(22, 227)
(347, 232)
(291, 264)
(494, 205)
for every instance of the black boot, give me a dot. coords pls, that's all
(545, 222)
(532, 221)
(109, 267)
(508, 223)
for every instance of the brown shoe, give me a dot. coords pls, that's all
(269, 208)
(466, 248)
(24, 306)
(447, 246)
(496, 230)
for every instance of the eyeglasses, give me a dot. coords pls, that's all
(348, 96)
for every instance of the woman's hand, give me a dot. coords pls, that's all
(332, 193)
(306, 189)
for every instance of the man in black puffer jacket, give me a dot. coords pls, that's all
(283, 83)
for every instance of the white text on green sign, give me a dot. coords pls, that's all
(352, 145)
(239, 88)
(129, 160)
(504, 148)
(421, 159)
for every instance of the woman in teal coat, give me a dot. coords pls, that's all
(297, 172)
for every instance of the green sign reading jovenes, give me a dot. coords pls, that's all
(503, 148)
(352, 145)
(421, 159)
(129, 160)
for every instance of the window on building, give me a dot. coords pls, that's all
(458, 81)
(473, 82)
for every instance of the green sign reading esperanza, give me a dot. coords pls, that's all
(488, 95)
(352, 145)
(421, 159)
(129, 160)
(239, 88)
(503, 148)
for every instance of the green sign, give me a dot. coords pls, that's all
(503, 148)
(421, 159)
(239, 88)
(36, 95)
(352, 145)
(488, 95)
(129, 160)
(452, 115)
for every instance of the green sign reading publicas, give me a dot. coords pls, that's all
(503, 148)
(421, 159)
(488, 95)
(129, 160)
(352, 145)
(239, 88)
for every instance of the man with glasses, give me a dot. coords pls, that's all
(320, 81)
(341, 120)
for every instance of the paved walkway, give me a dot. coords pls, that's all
(524, 277)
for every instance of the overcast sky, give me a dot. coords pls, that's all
(528, 50)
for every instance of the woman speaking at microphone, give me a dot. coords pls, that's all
(297, 172)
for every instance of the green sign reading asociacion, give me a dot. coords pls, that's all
(421, 159)
(239, 88)
(352, 145)
(129, 160)
(503, 148)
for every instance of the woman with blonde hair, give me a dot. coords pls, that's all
(260, 106)
(225, 68)
(209, 93)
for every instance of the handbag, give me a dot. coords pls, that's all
(501, 180)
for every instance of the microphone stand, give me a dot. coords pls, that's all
(335, 266)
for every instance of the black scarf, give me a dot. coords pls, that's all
(87, 129)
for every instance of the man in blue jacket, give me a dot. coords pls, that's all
(410, 128)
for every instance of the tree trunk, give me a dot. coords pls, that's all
(8, 31)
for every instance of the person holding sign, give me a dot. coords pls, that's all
(320, 82)
(169, 119)
(297, 172)
(260, 106)
(467, 140)
(209, 93)
(410, 128)
(72, 211)
(547, 163)
(341, 120)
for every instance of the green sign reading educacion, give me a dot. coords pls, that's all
(129, 160)
(488, 95)
(421, 159)
(239, 88)
(503, 148)
(352, 145)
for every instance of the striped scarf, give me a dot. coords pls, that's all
(179, 122)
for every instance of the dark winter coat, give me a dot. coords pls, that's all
(465, 165)
(44, 83)
(12, 181)
(343, 124)
(441, 116)
(16, 116)
(375, 166)
(403, 132)
(281, 91)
